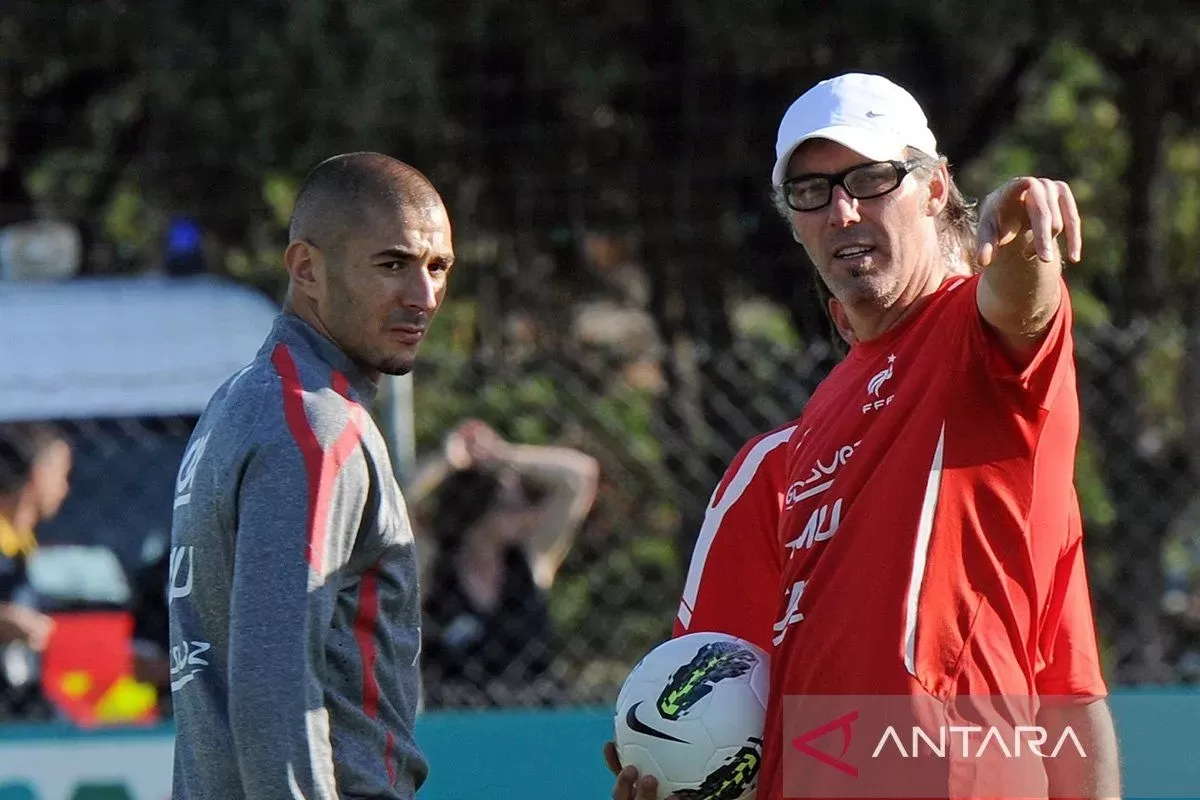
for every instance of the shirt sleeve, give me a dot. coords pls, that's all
(1037, 383)
(732, 583)
(298, 517)
(1067, 646)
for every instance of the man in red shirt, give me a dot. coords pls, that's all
(927, 537)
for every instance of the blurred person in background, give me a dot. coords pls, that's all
(293, 585)
(35, 468)
(503, 517)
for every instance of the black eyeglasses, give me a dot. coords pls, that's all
(813, 192)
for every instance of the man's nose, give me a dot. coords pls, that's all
(843, 209)
(421, 290)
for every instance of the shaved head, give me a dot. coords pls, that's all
(369, 254)
(342, 191)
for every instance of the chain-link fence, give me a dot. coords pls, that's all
(662, 454)
(604, 388)
(622, 286)
(646, 415)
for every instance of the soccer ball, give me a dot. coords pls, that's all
(692, 713)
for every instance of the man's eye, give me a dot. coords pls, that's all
(808, 192)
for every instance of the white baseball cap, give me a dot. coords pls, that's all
(866, 113)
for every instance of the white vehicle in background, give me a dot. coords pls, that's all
(125, 366)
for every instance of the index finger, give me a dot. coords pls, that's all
(1041, 220)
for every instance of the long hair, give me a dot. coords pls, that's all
(958, 222)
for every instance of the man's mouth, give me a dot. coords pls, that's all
(852, 251)
(409, 333)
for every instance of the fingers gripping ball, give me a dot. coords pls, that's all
(692, 713)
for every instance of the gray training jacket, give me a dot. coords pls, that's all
(295, 618)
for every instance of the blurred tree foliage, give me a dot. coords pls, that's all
(651, 126)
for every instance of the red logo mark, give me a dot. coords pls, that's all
(842, 723)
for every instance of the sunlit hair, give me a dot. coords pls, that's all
(958, 221)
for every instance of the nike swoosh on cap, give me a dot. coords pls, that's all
(636, 724)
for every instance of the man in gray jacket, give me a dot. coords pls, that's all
(294, 611)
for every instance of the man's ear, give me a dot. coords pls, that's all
(841, 320)
(305, 266)
(939, 190)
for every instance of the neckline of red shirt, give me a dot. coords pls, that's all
(888, 338)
